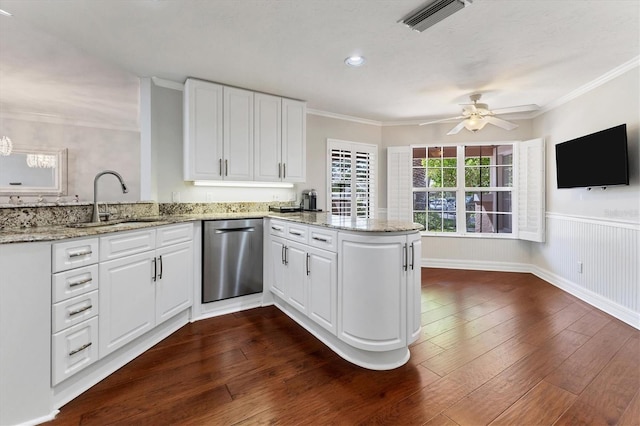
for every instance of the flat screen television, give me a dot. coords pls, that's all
(598, 159)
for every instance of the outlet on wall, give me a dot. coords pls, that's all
(175, 197)
(209, 197)
(579, 267)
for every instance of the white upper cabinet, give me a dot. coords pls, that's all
(239, 135)
(203, 143)
(294, 140)
(268, 138)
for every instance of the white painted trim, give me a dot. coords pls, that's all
(343, 117)
(39, 420)
(622, 313)
(167, 84)
(608, 306)
(595, 221)
(146, 167)
(605, 78)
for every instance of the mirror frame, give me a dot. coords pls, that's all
(60, 184)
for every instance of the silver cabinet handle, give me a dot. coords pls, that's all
(78, 311)
(324, 240)
(226, 167)
(80, 253)
(282, 254)
(80, 349)
(295, 233)
(279, 170)
(220, 167)
(276, 228)
(286, 255)
(155, 270)
(405, 255)
(160, 274)
(413, 253)
(77, 283)
(284, 170)
(308, 269)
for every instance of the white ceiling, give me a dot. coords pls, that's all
(80, 57)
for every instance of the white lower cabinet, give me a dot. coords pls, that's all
(140, 290)
(304, 276)
(74, 349)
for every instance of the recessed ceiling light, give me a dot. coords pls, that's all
(355, 61)
(5, 13)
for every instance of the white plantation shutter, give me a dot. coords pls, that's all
(531, 190)
(399, 191)
(351, 175)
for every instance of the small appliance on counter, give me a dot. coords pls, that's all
(310, 200)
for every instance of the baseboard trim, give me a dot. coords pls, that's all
(608, 306)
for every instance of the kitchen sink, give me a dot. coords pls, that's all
(111, 223)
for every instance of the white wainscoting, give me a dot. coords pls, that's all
(609, 252)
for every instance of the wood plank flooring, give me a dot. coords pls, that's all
(495, 348)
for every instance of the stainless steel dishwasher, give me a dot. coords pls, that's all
(231, 258)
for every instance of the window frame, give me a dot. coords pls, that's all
(460, 191)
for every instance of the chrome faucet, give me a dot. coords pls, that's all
(96, 215)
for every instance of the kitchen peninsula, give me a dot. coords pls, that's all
(353, 283)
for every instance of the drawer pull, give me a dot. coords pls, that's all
(77, 283)
(78, 311)
(80, 253)
(295, 233)
(324, 240)
(80, 349)
(276, 228)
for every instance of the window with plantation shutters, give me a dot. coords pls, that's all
(351, 178)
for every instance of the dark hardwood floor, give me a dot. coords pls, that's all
(496, 348)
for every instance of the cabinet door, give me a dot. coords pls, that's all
(296, 275)
(322, 271)
(174, 282)
(276, 254)
(203, 142)
(414, 286)
(268, 135)
(294, 140)
(73, 349)
(372, 291)
(238, 134)
(127, 300)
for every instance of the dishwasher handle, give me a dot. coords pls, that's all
(228, 230)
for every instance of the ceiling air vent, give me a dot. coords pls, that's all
(434, 12)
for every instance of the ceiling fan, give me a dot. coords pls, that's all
(476, 115)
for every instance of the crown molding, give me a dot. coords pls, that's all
(605, 78)
(168, 84)
(67, 121)
(343, 117)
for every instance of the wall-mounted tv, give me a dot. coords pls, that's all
(598, 159)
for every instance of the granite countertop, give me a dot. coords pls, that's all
(62, 232)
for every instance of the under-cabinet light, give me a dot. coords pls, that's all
(242, 184)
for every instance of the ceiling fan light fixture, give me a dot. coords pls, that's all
(474, 123)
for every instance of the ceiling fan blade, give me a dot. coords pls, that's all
(517, 108)
(504, 124)
(441, 120)
(456, 129)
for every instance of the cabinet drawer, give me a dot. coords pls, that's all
(126, 244)
(277, 228)
(174, 234)
(323, 238)
(72, 254)
(73, 311)
(74, 283)
(297, 232)
(74, 349)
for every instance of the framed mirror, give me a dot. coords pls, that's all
(33, 171)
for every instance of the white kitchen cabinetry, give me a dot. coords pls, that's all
(75, 307)
(238, 135)
(302, 275)
(141, 285)
(280, 144)
(377, 290)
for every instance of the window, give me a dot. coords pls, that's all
(463, 189)
(351, 178)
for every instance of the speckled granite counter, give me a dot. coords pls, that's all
(348, 223)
